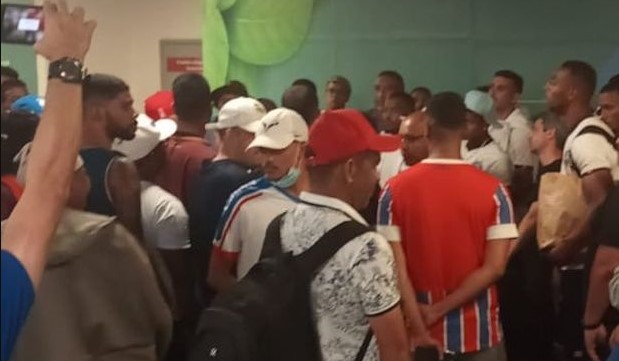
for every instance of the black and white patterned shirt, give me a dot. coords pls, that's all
(358, 282)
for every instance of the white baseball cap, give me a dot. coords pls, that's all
(480, 103)
(242, 112)
(147, 136)
(279, 128)
(22, 160)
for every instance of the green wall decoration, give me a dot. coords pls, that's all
(442, 44)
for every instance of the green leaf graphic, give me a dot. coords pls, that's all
(215, 46)
(266, 32)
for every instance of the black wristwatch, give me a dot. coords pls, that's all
(68, 70)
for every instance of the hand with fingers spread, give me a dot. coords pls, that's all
(66, 33)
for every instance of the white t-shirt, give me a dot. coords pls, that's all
(359, 280)
(164, 219)
(590, 151)
(391, 164)
(512, 136)
(491, 159)
(244, 221)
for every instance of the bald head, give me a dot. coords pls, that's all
(414, 133)
(303, 100)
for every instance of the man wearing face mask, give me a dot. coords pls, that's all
(280, 142)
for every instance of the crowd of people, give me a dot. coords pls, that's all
(128, 221)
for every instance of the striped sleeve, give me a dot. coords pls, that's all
(504, 224)
(385, 225)
(228, 242)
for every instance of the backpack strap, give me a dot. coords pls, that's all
(272, 245)
(318, 254)
(364, 347)
(594, 129)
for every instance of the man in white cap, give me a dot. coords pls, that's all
(233, 166)
(482, 151)
(164, 219)
(280, 141)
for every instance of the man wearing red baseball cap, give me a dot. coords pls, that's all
(357, 288)
(160, 105)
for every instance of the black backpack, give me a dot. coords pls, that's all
(267, 315)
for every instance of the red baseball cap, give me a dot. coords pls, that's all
(340, 134)
(160, 105)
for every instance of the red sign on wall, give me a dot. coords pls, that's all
(184, 64)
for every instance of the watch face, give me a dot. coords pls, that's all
(69, 70)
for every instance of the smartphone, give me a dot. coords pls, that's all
(21, 24)
(426, 354)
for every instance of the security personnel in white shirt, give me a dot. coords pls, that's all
(481, 150)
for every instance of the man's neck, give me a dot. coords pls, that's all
(477, 143)
(576, 113)
(445, 150)
(192, 128)
(502, 114)
(301, 185)
(93, 138)
(549, 155)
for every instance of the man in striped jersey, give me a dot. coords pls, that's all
(455, 223)
(280, 142)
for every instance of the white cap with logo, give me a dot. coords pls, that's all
(242, 112)
(279, 128)
(148, 135)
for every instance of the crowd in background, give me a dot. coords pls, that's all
(168, 204)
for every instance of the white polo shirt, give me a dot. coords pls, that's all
(164, 219)
(391, 164)
(358, 282)
(248, 212)
(590, 151)
(491, 159)
(512, 136)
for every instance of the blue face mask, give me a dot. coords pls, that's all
(289, 179)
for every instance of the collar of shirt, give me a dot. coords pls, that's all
(444, 161)
(333, 203)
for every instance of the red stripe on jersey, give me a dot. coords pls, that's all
(235, 213)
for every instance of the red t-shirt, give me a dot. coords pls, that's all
(446, 211)
(184, 158)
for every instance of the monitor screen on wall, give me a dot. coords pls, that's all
(21, 24)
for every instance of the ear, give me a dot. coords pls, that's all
(350, 169)
(517, 98)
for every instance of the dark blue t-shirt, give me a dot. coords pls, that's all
(17, 298)
(217, 181)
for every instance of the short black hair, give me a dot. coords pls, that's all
(423, 90)
(302, 100)
(407, 102)
(9, 72)
(338, 79)
(584, 74)
(393, 75)
(18, 128)
(610, 87)
(11, 84)
(103, 87)
(514, 77)
(306, 83)
(234, 87)
(268, 103)
(552, 120)
(614, 79)
(483, 88)
(192, 97)
(447, 110)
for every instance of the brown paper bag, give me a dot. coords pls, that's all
(561, 207)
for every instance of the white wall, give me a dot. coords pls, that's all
(126, 41)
